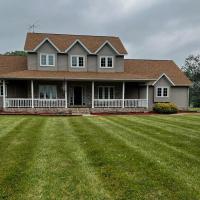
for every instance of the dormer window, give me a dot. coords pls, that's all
(77, 61)
(106, 61)
(47, 60)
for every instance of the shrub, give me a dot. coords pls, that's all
(165, 108)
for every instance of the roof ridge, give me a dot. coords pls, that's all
(74, 34)
(149, 59)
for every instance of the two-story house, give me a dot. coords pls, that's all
(82, 73)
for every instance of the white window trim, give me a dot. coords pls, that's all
(77, 59)
(49, 86)
(1, 88)
(162, 92)
(103, 91)
(47, 65)
(106, 57)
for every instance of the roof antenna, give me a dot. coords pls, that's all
(33, 26)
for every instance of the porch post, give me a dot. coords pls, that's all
(147, 96)
(123, 93)
(32, 94)
(66, 94)
(4, 94)
(92, 94)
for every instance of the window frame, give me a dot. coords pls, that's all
(162, 91)
(77, 60)
(47, 86)
(47, 59)
(106, 62)
(103, 92)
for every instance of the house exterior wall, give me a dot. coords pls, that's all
(180, 96)
(163, 82)
(63, 61)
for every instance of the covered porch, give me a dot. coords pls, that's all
(74, 94)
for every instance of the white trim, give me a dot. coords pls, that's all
(77, 59)
(103, 91)
(106, 62)
(123, 93)
(66, 94)
(166, 77)
(107, 42)
(147, 96)
(1, 88)
(92, 94)
(162, 92)
(47, 59)
(32, 94)
(48, 86)
(66, 50)
(45, 40)
(4, 96)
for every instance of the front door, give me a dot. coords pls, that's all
(78, 95)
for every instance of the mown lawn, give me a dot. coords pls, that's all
(112, 157)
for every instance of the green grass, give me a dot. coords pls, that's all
(194, 109)
(112, 157)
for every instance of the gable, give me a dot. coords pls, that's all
(77, 49)
(64, 41)
(47, 47)
(162, 82)
(106, 50)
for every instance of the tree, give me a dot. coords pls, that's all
(16, 53)
(192, 71)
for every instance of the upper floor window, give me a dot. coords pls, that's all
(47, 59)
(106, 61)
(162, 92)
(77, 61)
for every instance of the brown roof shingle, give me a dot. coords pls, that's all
(15, 67)
(12, 63)
(64, 41)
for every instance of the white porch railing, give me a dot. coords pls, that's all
(37, 103)
(118, 103)
(108, 103)
(135, 103)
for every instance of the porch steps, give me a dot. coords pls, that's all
(80, 111)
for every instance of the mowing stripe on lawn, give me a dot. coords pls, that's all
(167, 160)
(14, 167)
(188, 145)
(143, 155)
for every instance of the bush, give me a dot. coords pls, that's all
(165, 108)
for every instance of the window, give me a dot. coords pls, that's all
(106, 62)
(47, 91)
(77, 61)
(162, 92)
(47, 60)
(106, 92)
(1, 90)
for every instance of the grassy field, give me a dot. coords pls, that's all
(112, 157)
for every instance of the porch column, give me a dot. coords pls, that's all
(123, 93)
(92, 94)
(147, 96)
(32, 94)
(66, 94)
(4, 94)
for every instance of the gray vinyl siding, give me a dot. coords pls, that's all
(63, 60)
(179, 96)
(163, 82)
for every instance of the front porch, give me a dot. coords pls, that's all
(63, 95)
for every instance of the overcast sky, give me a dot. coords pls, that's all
(150, 29)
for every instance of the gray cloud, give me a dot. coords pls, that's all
(154, 29)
